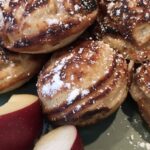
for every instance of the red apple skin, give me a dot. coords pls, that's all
(20, 129)
(77, 145)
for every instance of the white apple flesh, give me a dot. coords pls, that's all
(62, 138)
(21, 122)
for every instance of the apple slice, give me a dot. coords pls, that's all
(62, 138)
(20, 122)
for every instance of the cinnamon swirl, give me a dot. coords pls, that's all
(43, 26)
(140, 90)
(83, 83)
(16, 69)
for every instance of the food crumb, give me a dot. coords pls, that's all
(132, 137)
(108, 134)
(144, 145)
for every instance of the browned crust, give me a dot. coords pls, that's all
(83, 120)
(46, 34)
(140, 90)
(144, 110)
(52, 36)
(124, 16)
(116, 41)
(15, 70)
(129, 50)
(143, 77)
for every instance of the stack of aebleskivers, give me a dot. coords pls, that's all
(87, 78)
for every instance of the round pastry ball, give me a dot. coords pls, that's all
(140, 90)
(83, 83)
(43, 26)
(16, 69)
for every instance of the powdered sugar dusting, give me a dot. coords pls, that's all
(76, 92)
(1, 20)
(53, 21)
(77, 7)
(72, 95)
(4, 3)
(56, 83)
(85, 92)
(52, 88)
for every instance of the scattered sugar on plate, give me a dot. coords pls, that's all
(144, 145)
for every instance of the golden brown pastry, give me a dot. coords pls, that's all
(16, 69)
(116, 41)
(131, 18)
(129, 50)
(43, 26)
(140, 90)
(83, 83)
